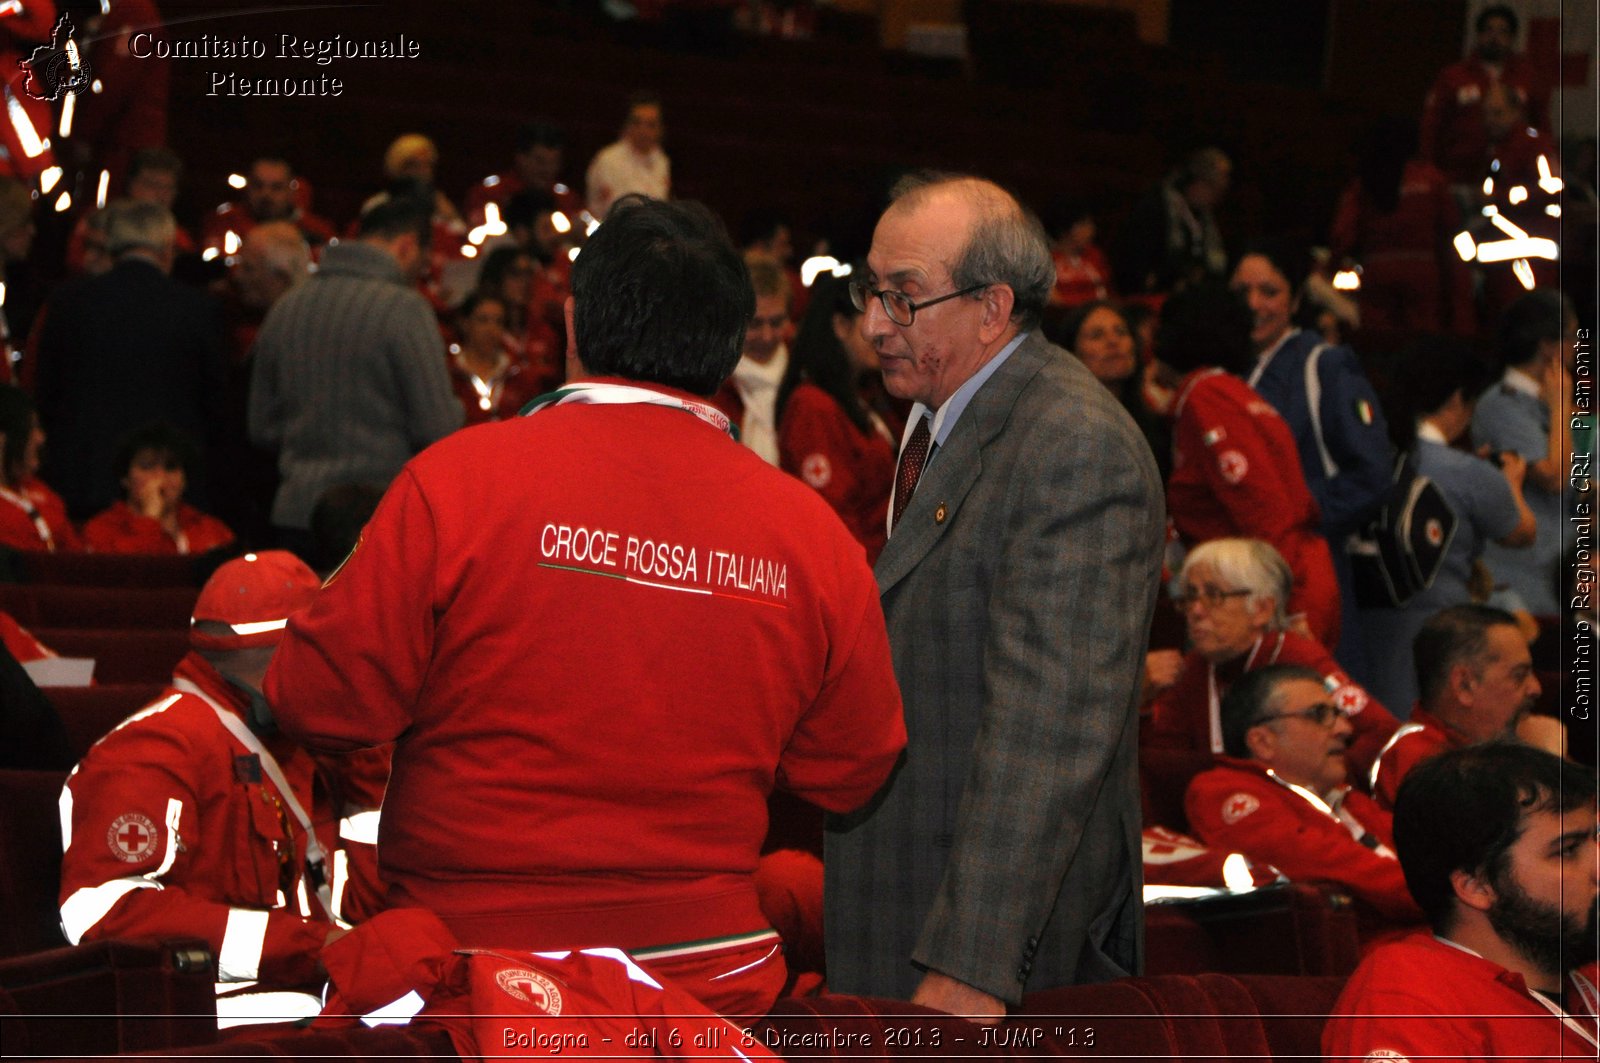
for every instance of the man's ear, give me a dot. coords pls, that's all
(1462, 682)
(998, 301)
(1262, 744)
(1472, 890)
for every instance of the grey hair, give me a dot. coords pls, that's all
(134, 226)
(1247, 565)
(283, 249)
(1007, 244)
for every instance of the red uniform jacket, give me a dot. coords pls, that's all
(1422, 998)
(171, 827)
(1188, 713)
(237, 219)
(1412, 278)
(597, 669)
(33, 517)
(1237, 805)
(1236, 472)
(1453, 136)
(1420, 738)
(117, 529)
(20, 643)
(1081, 279)
(852, 469)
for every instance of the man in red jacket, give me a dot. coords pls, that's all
(1279, 794)
(196, 818)
(1498, 846)
(603, 632)
(1477, 683)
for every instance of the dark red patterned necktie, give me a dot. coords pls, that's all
(912, 459)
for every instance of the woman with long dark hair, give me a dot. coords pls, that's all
(32, 517)
(827, 435)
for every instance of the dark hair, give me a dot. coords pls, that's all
(1291, 258)
(496, 264)
(1205, 325)
(1449, 637)
(539, 133)
(1429, 371)
(162, 438)
(1253, 697)
(1065, 213)
(162, 160)
(524, 208)
(1496, 11)
(16, 423)
(396, 216)
(761, 223)
(1535, 318)
(661, 296)
(817, 357)
(1464, 809)
(1074, 322)
(477, 299)
(1382, 153)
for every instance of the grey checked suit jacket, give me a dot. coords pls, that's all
(1018, 588)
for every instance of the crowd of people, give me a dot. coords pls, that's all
(891, 535)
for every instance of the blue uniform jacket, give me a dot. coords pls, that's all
(1352, 428)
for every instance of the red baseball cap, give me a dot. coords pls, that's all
(254, 596)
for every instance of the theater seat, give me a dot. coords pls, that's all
(89, 713)
(121, 656)
(1291, 929)
(66, 605)
(107, 998)
(115, 570)
(30, 869)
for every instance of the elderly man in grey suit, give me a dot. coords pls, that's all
(1018, 583)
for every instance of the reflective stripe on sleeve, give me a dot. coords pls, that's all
(242, 944)
(174, 816)
(396, 1012)
(361, 828)
(88, 906)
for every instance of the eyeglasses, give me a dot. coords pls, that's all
(898, 305)
(1210, 595)
(1323, 714)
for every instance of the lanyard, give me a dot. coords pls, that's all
(1338, 814)
(25, 504)
(1266, 356)
(621, 394)
(315, 858)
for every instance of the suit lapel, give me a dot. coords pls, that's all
(957, 465)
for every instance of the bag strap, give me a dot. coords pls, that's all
(1314, 401)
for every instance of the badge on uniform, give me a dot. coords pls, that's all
(1364, 411)
(132, 837)
(1215, 436)
(1238, 806)
(247, 768)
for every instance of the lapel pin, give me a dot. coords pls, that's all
(940, 514)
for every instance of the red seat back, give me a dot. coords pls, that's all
(121, 656)
(30, 861)
(89, 713)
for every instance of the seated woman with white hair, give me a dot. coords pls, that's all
(1233, 594)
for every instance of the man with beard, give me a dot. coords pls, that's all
(1453, 134)
(1498, 846)
(1476, 680)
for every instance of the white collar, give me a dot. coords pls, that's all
(1429, 432)
(1517, 380)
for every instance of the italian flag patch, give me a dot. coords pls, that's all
(1364, 411)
